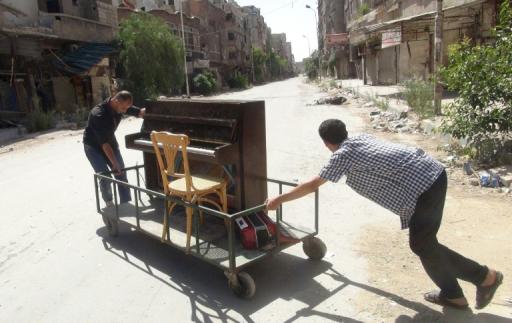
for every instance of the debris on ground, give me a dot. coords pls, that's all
(389, 121)
(487, 179)
(332, 100)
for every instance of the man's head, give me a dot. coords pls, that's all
(333, 132)
(121, 101)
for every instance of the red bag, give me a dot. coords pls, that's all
(256, 230)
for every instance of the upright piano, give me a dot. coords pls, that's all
(227, 138)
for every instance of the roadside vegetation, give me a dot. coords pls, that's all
(151, 57)
(482, 76)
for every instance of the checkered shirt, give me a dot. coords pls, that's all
(392, 175)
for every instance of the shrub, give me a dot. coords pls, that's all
(311, 66)
(363, 9)
(419, 96)
(238, 81)
(205, 83)
(38, 120)
(482, 76)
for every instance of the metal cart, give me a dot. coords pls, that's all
(224, 252)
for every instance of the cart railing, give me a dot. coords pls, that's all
(138, 190)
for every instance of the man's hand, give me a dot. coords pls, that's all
(298, 192)
(116, 169)
(142, 113)
(273, 203)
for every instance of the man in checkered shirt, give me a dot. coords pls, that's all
(413, 185)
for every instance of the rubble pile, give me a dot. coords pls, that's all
(337, 99)
(393, 122)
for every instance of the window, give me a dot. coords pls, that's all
(53, 6)
(233, 55)
(231, 36)
(229, 16)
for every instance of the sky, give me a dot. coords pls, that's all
(292, 18)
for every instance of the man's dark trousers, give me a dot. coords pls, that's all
(100, 163)
(443, 265)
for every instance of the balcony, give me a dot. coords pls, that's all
(76, 28)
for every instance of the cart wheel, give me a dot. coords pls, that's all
(243, 285)
(112, 225)
(314, 248)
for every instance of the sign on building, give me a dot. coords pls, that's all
(336, 39)
(391, 37)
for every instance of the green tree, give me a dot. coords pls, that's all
(311, 66)
(277, 65)
(151, 56)
(259, 60)
(482, 75)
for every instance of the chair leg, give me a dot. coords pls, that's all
(190, 214)
(224, 203)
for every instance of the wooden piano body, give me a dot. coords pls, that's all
(226, 137)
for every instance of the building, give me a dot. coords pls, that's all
(393, 41)
(237, 47)
(54, 54)
(258, 30)
(332, 25)
(284, 49)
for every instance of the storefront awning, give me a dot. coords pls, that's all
(83, 59)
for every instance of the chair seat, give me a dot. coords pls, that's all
(200, 183)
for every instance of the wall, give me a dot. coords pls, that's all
(387, 65)
(100, 86)
(64, 93)
(24, 12)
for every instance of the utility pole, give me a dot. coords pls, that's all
(184, 47)
(438, 59)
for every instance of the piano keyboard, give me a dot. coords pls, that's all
(190, 149)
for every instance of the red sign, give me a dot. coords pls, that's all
(391, 37)
(336, 39)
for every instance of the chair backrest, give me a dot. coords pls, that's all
(171, 144)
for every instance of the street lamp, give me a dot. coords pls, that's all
(318, 35)
(309, 47)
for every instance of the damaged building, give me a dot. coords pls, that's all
(54, 55)
(393, 41)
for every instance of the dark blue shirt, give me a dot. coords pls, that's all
(102, 124)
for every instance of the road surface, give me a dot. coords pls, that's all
(57, 263)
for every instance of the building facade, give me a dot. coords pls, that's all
(51, 54)
(393, 41)
(331, 20)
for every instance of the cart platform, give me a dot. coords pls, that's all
(212, 241)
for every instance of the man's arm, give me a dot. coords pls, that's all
(296, 193)
(136, 111)
(107, 149)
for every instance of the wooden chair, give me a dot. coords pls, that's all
(193, 189)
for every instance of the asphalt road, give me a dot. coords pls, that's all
(58, 264)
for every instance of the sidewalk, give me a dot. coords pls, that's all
(392, 93)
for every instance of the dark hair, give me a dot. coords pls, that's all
(333, 131)
(124, 96)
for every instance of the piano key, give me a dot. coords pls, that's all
(190, 149)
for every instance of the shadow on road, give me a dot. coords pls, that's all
(284, 276)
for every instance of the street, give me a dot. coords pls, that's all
(58, 264)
